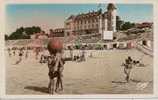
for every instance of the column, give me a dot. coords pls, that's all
(100, 25)
(105, 24)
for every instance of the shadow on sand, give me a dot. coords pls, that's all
(119, 82)
(39, 89)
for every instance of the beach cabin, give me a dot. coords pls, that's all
(122, 45)
(114, 45)
(109, 46)
(104, 46)
(130, 44)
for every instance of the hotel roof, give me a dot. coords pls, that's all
(88, 15)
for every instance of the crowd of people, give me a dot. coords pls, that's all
(55, 62)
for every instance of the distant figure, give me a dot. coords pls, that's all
(14, 53)
(91, 55)
(20, 56)
(76, 58)
(36, 53)
(41, 59)
(44, 56)
(9, 52)
(71, 52)
(26, 54)
(83, 58)
(128, 65)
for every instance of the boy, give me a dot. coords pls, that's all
(55, 65)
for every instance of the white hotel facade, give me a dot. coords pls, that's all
(95, 22)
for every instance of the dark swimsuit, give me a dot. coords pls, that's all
(52, 74)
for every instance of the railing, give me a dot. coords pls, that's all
(144, 49)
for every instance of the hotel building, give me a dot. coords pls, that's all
(95, 22)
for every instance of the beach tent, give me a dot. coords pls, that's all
(115, 45)
(105, 46)
(109, 46)
(122, 45)
(130, 44)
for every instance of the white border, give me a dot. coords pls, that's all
(2, 57)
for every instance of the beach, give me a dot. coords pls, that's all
(100, 74)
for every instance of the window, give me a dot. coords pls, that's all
(92, 20)
(96, 20)
(88, 21)
(85, 27)
(97, 25)
(68, 34)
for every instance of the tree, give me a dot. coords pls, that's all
(122, 25)
(36, 29)
(29, 30)
(20, 30)
(24, 33)
(32, 30)
(15, 35)
(6, 37)
(127, 25)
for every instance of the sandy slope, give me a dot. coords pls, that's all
(101, 74)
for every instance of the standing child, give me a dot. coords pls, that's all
(128, 67)
(55, 65)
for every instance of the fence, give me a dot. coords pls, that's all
(144, 49)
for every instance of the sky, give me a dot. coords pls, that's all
(51, 16)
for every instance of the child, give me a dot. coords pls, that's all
(55, 65)
(128, 67)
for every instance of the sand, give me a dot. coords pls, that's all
(100, 74)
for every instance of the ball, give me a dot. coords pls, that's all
(54, 46)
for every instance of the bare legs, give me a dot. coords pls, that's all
(59, 83)
(127, 72)
(51, 86)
